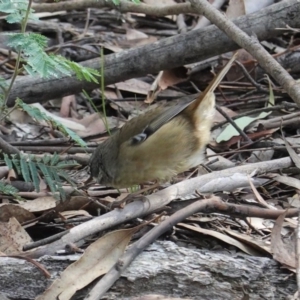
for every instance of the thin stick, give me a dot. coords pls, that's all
(252, 45)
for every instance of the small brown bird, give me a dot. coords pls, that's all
(159, 144)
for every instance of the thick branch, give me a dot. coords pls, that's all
(124, 6)
(176, 51)
(252, 45)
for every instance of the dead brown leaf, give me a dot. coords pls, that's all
(255, 243)
(66, 104)
(94, 125)
(12, 237)
(68, 214)
(235, 9)
(252, 136)
(97, 259)
(282, 252)
(14, 210)
(222, 237)
(40, 204)
(133, 34)
(133, 85)
(165, 79)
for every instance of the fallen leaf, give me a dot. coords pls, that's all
(218, 118)
(14, 210)
(243, 122)
(260, 245)
(68, 123)
(133, 85)
(97, 259)
(39, 204)
(165, 79)
(235, 9)
(222, 237)
(290, 181)
(13, 237)
(74, 213)
(66, 104)
(282, 252)
(133, 34)
(93, 124)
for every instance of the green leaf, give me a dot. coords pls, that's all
(59, 186)
(49, 166)
(38, 115)
(46, 159)
(49, 180)
(16, 163)
(7, 189)
(81, 72)
(8, 161)
(66, 176)
(243, 122)
(54, 159)
(67, 164)
(34, 174)
(71, 134)
(25, 169)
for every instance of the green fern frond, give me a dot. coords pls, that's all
(16, 163)
(30, 43)
(8, 189)
(66, 164)
(16, 10)
(46, 172)
(68, 132)
(46, 159)
(49, 167)
(82, 73)
(66, 177)
(32, 47)
(54, 159)
(25, 169)
(34, 173)
(59, 187)
(8, 161)
(36, 114)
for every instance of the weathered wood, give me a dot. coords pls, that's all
(175, 51)
(166, 269)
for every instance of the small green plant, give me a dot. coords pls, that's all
(8, 189)
(30, 49)
(49, 166)
(36, 114)
(33, 59)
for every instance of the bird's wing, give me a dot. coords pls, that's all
(165, 115)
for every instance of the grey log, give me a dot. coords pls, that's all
(167, 269)
(167, 53)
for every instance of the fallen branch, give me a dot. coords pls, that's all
(252, 45)
(179, 50)
(160, 199)
(213, 205)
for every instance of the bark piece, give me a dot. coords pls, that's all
(167, 269)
